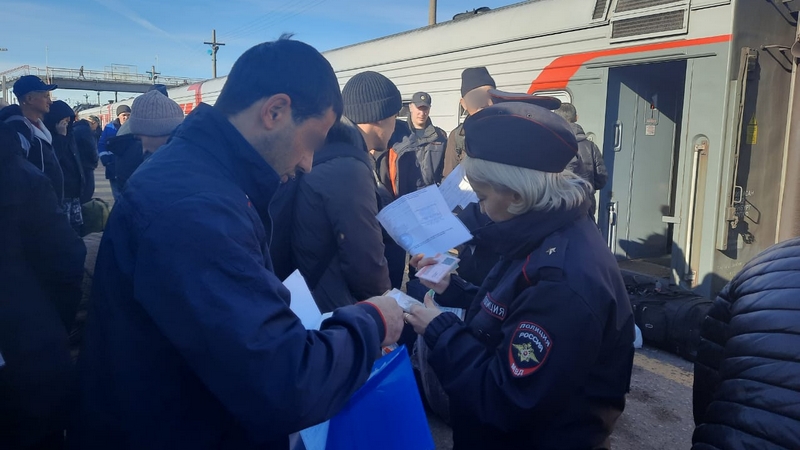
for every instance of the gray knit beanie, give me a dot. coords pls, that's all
(370, 97)
(154, 114)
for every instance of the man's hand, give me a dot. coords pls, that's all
(392, 315)
(421, 316)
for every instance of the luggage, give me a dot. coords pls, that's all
(95, 215)
(670, 318)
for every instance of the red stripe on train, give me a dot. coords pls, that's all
(558, 73)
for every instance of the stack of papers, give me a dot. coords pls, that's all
(421, 222)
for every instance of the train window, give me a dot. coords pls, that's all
(564, 96)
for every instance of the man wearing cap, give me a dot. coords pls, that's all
(26, 118)
(154, 117)
(545, 354)
(418, 137)
(108, 158)
(338, 243)
(475, 83)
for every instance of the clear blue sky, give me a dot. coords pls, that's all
(170, 33)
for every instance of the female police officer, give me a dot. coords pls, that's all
(543, 359)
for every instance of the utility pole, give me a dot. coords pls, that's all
(432, 13)
(87, 98)
(213, 51)
(153, 74)
(98, 98)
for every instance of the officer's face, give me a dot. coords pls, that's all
(494, 203)
(419, 115)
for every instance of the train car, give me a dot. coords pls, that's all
(689, 100)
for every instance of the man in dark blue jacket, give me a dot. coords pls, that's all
(190, 342)
(108, 158)
(41, 269)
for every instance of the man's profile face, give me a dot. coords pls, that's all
(39, 101)
(419, 115)
(477, 99)
(293, 146)
(123, 117)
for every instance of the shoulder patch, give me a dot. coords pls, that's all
(529, 348)
(493, 308)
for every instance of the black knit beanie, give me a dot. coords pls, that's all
(123, 109)
(475, 77)
(370, 97)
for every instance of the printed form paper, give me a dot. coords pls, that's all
(303, 304)
(456, 190)
(421, 222)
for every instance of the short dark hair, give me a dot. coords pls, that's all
(286, 67)
(568, 112)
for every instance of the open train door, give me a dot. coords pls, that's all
(643, 120)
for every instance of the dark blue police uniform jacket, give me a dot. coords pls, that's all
(544, 358)
(190, 342)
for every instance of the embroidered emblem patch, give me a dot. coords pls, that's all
(493, 308)
(529, 348)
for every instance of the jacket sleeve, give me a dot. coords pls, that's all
(500, 386)
(87, 148)
(450, 155)
(105, 155)
(710, 354)
(55, 250)
(351, 206)
(200, 275)
(600, 172)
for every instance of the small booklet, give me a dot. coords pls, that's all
(403, 300)
(436, 272)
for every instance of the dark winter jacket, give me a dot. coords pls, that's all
(66, 149)
(544, 357)
(478, 256)
(588, 163)
(105, 154)
(337, 240)
(428, 151)
(190, 342)
(454, 152)
(747, 373)
(87, 149)
(37, 144)
(128, 156)
(41, 269)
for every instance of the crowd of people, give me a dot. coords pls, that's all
(190, 341)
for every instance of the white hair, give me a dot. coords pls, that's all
(539, 191)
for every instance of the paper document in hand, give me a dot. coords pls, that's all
(422, 223)
(303, 304)
(404, 301)
(456, 190)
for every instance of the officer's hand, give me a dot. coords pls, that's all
(392, 315)
(418, 262)
(420, 316)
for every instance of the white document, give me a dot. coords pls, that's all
(421, 222)
(316, 437)
(403, 300)
(456, 190)
(303, 304)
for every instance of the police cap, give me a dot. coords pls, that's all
(521, 134)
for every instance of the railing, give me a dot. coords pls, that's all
(50, 73)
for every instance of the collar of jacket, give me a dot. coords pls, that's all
(518, 237)
(210, 131)
(353, 147)
(578, 130)
(430, 130)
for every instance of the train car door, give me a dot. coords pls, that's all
(643, 119)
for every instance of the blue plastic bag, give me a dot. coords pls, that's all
(386, 413)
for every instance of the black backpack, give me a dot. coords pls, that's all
(669, 318)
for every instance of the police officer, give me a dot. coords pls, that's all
(543, 359)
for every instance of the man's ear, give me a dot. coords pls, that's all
(276, 110)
